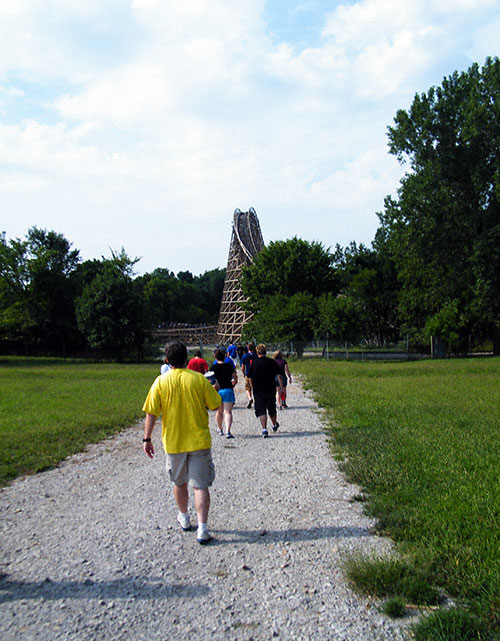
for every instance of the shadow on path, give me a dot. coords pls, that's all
(273, 536)
(281, 433)
(237, 408)
(125, 588)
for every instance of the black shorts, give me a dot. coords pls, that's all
(264, 402)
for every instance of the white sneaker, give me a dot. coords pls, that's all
(203, 536)
(185, 521)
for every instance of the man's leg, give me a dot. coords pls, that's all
(274, 421)
(271, 410)
(202, 503)
(248, 389)
(181, 497)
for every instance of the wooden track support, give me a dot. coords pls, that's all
(246, 243)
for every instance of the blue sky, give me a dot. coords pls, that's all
(143, 124)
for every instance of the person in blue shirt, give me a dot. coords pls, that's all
(246, 363)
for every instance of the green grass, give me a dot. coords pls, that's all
(50, 408)
(423, 441)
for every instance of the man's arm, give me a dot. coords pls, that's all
(148, 430)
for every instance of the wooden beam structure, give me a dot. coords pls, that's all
(246, 243)
(189, 335)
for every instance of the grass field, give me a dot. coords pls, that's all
(421, 438)
(50, 409)
(423, 441)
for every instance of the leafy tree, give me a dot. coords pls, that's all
(285, 319)
(369, 281)
(342, 317)
(288, 267)
(110, 310)
(51, 262)
(36, 291)
(282, 287)
(209, 286)
(447, 210)
(14, 314)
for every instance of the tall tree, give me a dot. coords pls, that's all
(288, 267)
(110, 310)
(36, 291)
(283, 285)
(447, 211)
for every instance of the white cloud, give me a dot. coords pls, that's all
(203, 113)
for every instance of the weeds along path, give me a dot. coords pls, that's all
(92, 549)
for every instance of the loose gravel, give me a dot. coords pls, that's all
(92, 549)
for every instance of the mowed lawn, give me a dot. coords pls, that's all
(423, 441)
(50, 409)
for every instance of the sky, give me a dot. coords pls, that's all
(144, 124)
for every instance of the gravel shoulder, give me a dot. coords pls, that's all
(92, 549)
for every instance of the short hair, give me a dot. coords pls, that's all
(197, 354)
(251, 347)
(261, 349)
(220, 354)
(176, 353)
(277, 354)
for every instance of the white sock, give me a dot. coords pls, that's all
(202, 527)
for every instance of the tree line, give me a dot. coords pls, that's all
(53, 303)
(433, 269)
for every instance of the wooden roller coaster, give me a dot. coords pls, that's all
(246, 243)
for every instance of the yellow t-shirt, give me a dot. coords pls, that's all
(181, 397)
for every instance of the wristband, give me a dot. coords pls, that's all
(146, 440)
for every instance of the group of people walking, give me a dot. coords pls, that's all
(181, 396)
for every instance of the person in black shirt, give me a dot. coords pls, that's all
(263, 372)
(226, 378)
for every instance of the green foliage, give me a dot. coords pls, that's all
(342, 316)
(382, 577)
(443, 229)
(366, 306)
(288, 267)
(282, 286)
(284, 319)
(69, 405)
(44, 287)
(109, 310)
(36, 292)
(183, 298)
(446, 324)
(394, 607)
(421, 439)
(450, 625)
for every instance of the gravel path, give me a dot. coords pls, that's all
(92, 549)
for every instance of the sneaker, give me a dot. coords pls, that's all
(249, 403)
(229, 435)
(185, 521)
(220, 432)
(275, 427)
(203, 537)
(265, 433)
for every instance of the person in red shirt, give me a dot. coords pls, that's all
(197, 363)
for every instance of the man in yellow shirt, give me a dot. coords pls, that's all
(182, 397)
